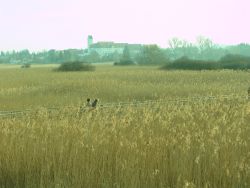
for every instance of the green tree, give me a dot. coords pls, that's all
(152, 55)
(52, 56)
(126, 54)
(206, 48)
(93, 57)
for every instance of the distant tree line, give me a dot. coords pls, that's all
(47, 57)
(203, 49)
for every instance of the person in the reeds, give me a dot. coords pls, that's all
(94, 103)
(88, 104)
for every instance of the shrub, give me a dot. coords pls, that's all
(187, 64)
(234, 61)
(76, 66)
(229, 58)
(26, 65)
(124, 62)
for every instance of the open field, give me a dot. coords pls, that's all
(192, 145)
(26, 88)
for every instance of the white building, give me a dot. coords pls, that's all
(106, 48)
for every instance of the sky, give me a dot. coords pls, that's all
(62, 24)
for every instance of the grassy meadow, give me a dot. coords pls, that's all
(175, 145)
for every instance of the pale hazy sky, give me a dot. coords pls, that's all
(61, 24)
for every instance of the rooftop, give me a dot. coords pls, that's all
(115, 45)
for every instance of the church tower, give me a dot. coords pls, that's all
(90, 40)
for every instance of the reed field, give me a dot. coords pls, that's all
(194, 144)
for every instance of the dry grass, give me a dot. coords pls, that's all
(34, 87)
(173, 145)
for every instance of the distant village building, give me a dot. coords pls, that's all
(107, 48)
